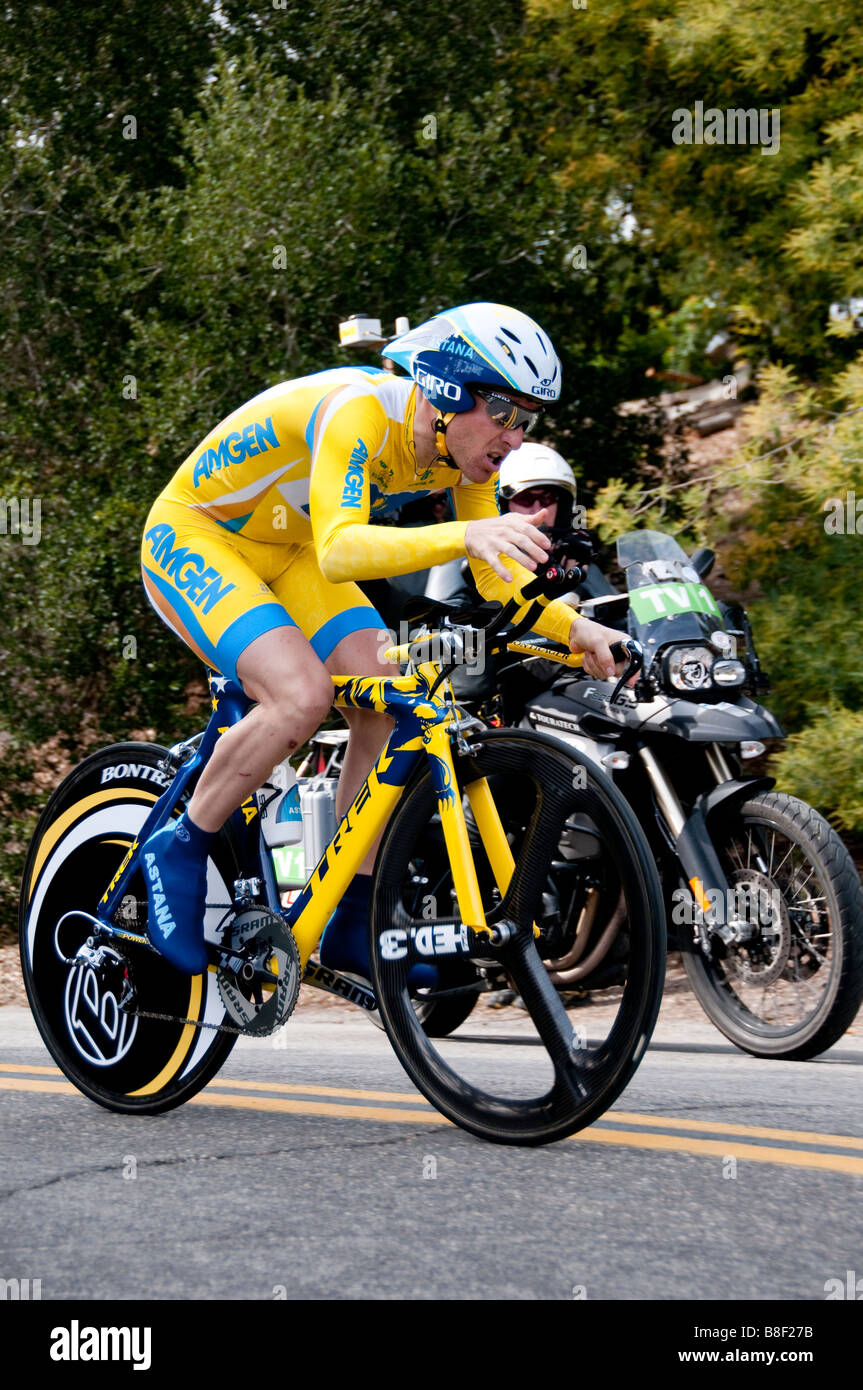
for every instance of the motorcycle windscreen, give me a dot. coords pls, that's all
(668, 601)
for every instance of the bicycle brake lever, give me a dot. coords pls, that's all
(632, 652)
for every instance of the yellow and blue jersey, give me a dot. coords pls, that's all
(267, 523)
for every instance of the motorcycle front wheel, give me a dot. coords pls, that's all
(795, 986)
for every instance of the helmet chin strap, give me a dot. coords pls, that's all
(440, 428)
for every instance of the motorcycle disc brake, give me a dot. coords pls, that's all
(762, 959)
(260, 997)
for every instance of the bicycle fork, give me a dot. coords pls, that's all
(455, 831)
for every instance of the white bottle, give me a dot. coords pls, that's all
(279, 807)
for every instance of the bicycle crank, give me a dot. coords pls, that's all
(260, 993)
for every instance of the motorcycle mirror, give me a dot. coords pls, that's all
(703, 561)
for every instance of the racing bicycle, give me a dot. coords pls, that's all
(139, 1037)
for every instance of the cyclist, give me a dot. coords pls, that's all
(252, 552)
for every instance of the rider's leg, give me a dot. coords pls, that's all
(345, 941)
(361, 654)
(294, 692)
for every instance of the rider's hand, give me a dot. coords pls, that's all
(595, 641)
(514, 535)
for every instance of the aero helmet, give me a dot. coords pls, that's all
(482, 344)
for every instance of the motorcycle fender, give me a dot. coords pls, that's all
(729, 795)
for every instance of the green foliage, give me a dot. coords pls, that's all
(783, 512)
(774, 510)
(406, 157)
(823, 766)
(830, 211)
(778, 233)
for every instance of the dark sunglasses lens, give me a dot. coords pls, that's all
(498, 410)
(509, 415)
(544, 496)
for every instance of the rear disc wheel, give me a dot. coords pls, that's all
(126, 1063)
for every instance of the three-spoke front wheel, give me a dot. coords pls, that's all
(563, 1078)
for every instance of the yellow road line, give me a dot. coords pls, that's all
(348, 1094)
(284, 1087)
(791, 1136)
(15, 1066)
(797, 1158)
(797, 1136)
(664, 1143)
(322, 1107)
(750, 1153)
(14, 1084)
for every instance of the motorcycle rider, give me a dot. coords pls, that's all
(533, 478)
(536, 477)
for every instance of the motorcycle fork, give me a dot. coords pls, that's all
(692, 843)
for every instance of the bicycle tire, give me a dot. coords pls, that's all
(131, 1066)
(586, 1080)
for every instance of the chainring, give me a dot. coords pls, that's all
(264, 939)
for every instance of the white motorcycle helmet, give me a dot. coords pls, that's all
(537, 465)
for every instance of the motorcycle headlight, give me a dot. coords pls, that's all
(729, 672)
(689, 668)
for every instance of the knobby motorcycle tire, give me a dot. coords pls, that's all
(844, 992)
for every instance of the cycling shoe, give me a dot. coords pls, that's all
(174, 861)
(345, 942)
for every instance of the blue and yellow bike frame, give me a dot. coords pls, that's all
(425, 724)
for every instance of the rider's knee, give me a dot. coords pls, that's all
(307, 700)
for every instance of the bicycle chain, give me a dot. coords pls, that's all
(199, 1023)
(213, 1027)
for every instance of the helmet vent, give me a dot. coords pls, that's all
(514, 336)
(530, 364)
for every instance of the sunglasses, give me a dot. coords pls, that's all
(545, 496)
(504, 411)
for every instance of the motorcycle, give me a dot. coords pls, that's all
(762, 898)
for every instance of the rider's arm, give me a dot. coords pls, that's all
(348, 547)
(475, 502)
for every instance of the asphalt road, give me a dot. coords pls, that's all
(314, 1170)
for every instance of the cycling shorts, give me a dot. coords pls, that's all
(218, 591)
